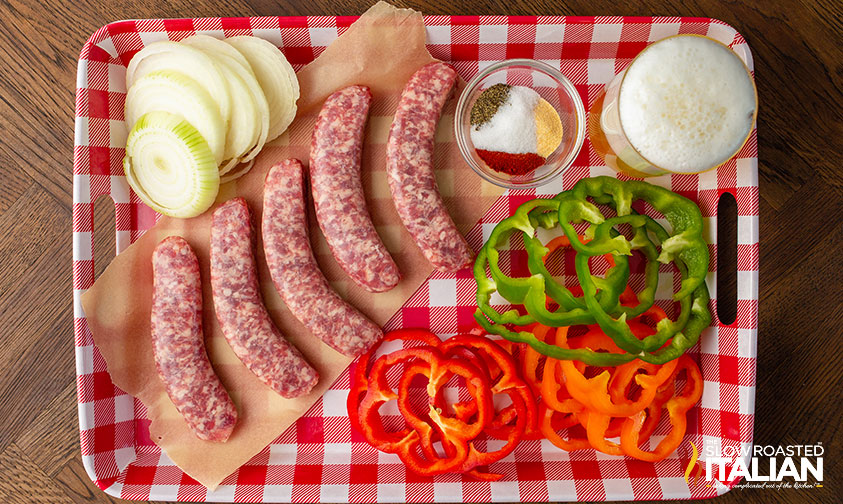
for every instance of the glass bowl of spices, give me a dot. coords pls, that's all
(519, 123)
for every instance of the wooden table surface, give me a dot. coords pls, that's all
(797, 49)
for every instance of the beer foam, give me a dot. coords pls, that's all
(687, 104)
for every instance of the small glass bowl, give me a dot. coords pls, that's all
(551, 85)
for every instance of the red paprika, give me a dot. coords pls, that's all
(511, 164)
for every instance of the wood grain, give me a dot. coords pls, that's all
(798, 53)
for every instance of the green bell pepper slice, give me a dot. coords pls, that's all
(685, 241)
(600, 301)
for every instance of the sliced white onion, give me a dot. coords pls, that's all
(276, 77)
(170, 166)
(209, 44)
(174, 92)
(240, 170)
(234, 64)
(167, 55)
(228, 166)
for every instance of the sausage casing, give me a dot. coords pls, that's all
(245, 323)
(338, 197)
(296, 274)
(178, 343)
(409, 154)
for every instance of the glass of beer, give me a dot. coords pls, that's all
(686, 104)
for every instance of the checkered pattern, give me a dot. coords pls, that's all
(320, 458)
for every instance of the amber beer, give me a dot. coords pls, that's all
(685, 104)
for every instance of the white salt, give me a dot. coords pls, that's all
(513, 127)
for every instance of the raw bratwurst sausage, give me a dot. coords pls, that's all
(295, 272)
(409, 166)
(240, 310)
(178, 343)
(341, 211)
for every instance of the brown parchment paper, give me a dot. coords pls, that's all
(381, 50)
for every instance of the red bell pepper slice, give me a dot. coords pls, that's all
(454, 433)
(508, 382)
(359, 383)
(438, 373)
(418, 436)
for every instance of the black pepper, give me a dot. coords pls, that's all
(488, 102)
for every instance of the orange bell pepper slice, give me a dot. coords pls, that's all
(594, 394)
(547, 427)
(677, 407)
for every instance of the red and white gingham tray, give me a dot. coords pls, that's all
(320, 458)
